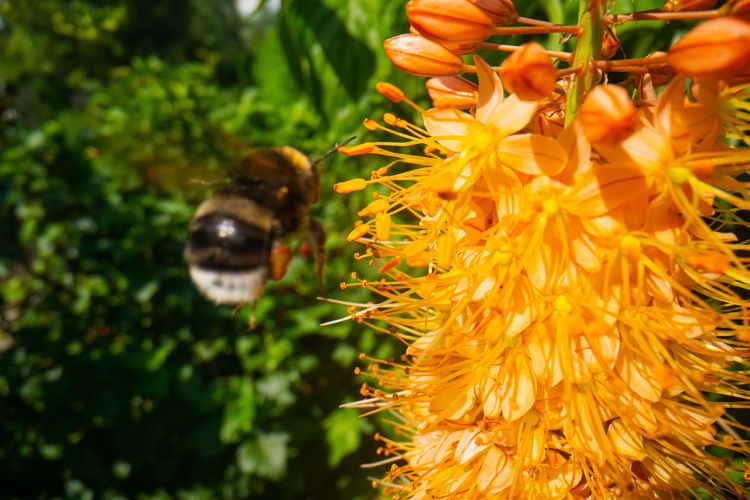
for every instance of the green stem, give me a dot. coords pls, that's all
(588, 49)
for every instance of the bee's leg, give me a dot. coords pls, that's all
(281, 255)
(317, 237)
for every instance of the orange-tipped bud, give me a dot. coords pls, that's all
(687, 5)
(499, 11)
(607, 115)
(390, 92)
(419, 56)
(350, 186)
(452, 92)
(529, 73)
(450, 20)
(718, 48)
(610, 44)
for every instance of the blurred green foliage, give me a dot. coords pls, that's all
(117, 380)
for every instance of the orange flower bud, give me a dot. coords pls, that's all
(452, 92)
(449, 20)
(419, 56)
(715, 49)
(687, 5)
(738, 8)
(499, 11)
(607, 115)
(529, 73)
(610, 44)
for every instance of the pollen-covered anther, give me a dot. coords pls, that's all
(708, 261)
(358, 231)
(370, 124)
(419, 56)
(456, 21)
(499, 11)
(529, 72)
(452, 92)
(350, 186)
(374, 207)
(390, 265)
(360, 149)
(390, 91)
(716, 49)
(608, 115)
(390, 119)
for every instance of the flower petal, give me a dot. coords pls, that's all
(532, 154)
(448, 126)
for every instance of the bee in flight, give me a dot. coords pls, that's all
(236, 237)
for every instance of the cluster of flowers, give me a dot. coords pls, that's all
(567, 263)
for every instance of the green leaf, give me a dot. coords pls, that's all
(265, 457)
(342, 434)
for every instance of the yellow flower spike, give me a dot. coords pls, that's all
(575, 301)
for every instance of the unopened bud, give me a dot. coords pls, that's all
(607, 115)
(529, 73)
(738, 8)
(718, 48)
(452, 92)
(419, 56)
(687, 5)
(499, 11)
(454, 21)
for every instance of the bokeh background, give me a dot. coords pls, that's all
(117, 380)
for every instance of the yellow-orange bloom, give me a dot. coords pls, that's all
(572, 299)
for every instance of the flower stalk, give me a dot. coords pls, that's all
(587, 51)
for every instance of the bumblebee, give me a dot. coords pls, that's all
(236, 237)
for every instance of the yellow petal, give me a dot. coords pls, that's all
(519, 387)
(532, 154)
(448, 126)
(626, 440)
(490, 95)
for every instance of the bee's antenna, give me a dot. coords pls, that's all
(334, 149)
